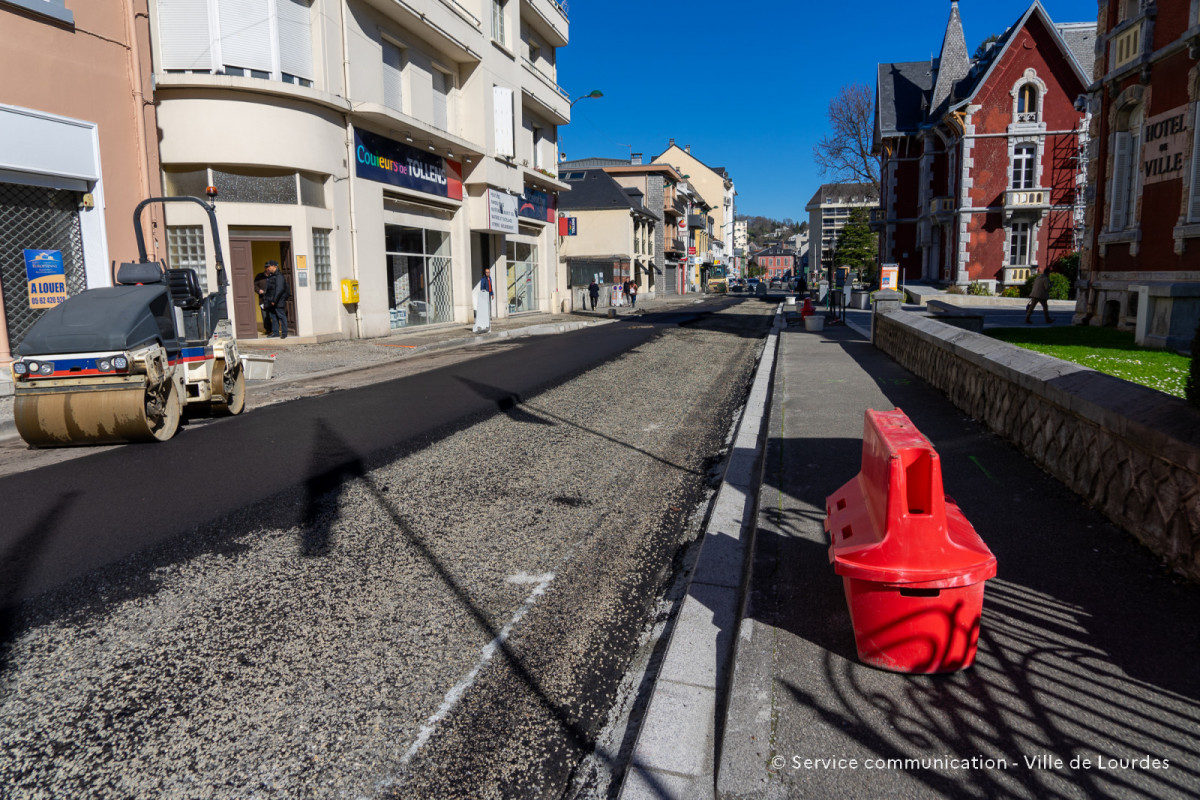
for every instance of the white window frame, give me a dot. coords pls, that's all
(241, 38)
(394, 76)
(1125, 177)
(1021, 237)
(499, 23)
(444, 101)
(504, 119)
(1024, 166)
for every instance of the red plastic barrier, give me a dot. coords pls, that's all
(912, 566)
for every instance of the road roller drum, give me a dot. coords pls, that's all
(120, 363)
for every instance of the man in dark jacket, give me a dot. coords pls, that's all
(276, 297)
(594, 292)
(260, 292)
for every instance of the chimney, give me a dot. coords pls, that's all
(671, 143)
(687, 148)
(635, 159)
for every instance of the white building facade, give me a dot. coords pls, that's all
(392, 148)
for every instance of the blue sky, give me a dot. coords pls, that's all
(675, 69)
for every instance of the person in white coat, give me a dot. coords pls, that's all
(483, 303)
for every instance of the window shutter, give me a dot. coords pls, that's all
(393, 73)
(1120, 181)
(502, 103)
(295, 38)
(1194, 204)
(245, 34)
(183, 34)
(441, 88)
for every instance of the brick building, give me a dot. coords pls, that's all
(1140, 265)
(778, 261)
(981, 157)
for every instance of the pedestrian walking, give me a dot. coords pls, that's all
(276, 296)
(1040, 294)
(483, 303)
(260, 291)
(633, 289)
(594, 292)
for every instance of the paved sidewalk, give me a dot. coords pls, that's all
(1086, 682)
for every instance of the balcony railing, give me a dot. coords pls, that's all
(697, 221)
(676, 206)
(941, 205)
(1016, 199)
(674, 244)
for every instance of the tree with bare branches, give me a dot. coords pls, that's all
(845, 152)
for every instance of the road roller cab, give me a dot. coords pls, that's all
(122, 363)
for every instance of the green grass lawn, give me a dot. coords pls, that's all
(1105, 350)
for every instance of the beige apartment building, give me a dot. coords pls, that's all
(77, 151)
(395, 148)
(716, 190)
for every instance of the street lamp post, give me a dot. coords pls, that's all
(592, 93)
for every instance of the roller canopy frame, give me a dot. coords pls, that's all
(220, 304)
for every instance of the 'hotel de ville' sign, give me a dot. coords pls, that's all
(1165, 141)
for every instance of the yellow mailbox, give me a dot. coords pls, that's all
(349, 291)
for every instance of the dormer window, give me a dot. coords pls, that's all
(1027, 103)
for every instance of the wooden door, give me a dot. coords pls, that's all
(241, 282)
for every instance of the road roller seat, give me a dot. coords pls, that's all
(189, 302)
(185, 288)
(131, 273)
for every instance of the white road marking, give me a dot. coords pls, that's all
(455, 694)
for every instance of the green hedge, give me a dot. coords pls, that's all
(1060, 286)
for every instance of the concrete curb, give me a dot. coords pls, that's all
(675, 754)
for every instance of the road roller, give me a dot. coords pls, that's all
(125, 363)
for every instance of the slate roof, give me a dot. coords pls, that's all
(592, 163)
(597, 191)
(843, 193)
(902, 93)
(954, 64)
(914, 94)
(775, 249)
(1081, 41)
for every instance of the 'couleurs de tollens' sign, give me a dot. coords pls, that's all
(378, 158)
(1164, 143)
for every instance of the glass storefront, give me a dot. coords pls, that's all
(522, 277)
(418, 273)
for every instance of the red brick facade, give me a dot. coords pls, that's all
(975, 185)
(1141, 261)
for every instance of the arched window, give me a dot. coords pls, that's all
(1024, 168)
(1126, 150)
(1027, 103)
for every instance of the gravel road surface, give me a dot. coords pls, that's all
(454, 623)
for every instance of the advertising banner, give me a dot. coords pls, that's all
(47, 278)
(536, 205)
(502, 211)
(378, 158)
(889, 275)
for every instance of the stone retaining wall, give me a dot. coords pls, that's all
(1131, 452)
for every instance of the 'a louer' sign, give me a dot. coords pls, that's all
(378, 158)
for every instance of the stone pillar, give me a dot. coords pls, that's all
(886, 301)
